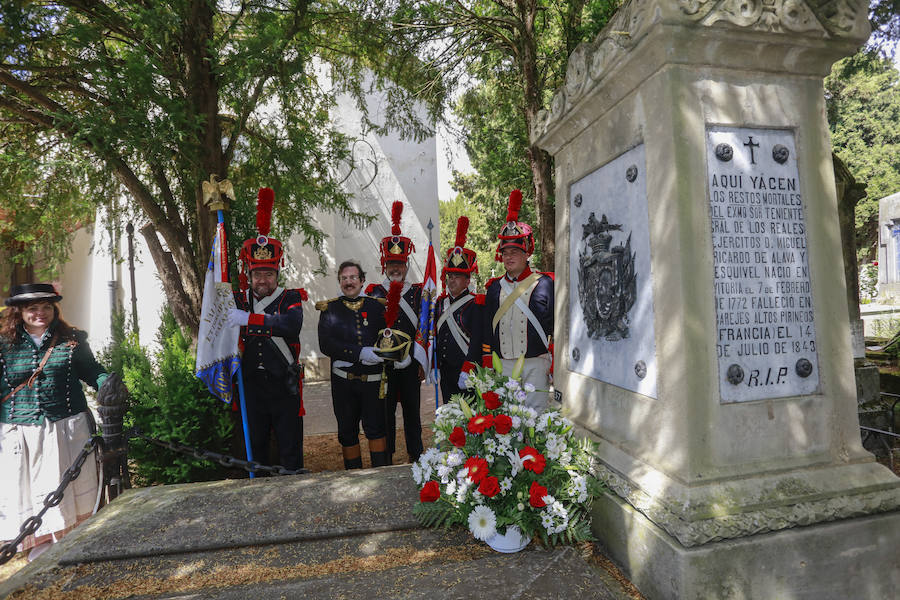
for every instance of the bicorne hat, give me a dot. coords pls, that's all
(396, 247)
(32, 292)
(459, 258)
(261, 252)
(514, 233)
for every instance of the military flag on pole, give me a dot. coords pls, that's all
(425, 333)
(217, 344)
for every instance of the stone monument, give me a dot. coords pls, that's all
(702, 330)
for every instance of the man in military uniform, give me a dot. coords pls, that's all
(403, 381)
(270, 318)
(518, 316)
(348, 330)
(458, 313)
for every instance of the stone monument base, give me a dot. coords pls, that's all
(851, 558)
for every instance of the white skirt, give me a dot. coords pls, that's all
(33, 459)
(536, 371)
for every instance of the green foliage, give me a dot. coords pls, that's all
(170, 403)
(147, 100)
(863, 102)
(868, 282)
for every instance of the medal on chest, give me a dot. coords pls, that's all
(365, 318)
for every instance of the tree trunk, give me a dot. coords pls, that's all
(185, 313)
(541, 162)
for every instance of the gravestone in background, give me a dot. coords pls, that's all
(702, 320)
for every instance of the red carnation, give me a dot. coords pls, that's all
(479, 423)
(478, 468)
(491, 400)
(536, 495)
(458, 437)
(430, 492)
(489, 487)
(502, 424)
(532, 460)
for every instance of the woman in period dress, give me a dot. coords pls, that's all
(44, 417)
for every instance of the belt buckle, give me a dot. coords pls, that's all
(352, 376)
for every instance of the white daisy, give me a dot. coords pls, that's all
(482, 523)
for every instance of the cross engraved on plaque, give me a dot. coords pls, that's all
(751, 144)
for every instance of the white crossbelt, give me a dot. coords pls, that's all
(365, 378)
(526, 310)
(259, 307)
(462, 340)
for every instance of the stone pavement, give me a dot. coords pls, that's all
(320, 415)
(342, 535)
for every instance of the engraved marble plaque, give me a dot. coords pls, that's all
(765, 329)
(610, 296)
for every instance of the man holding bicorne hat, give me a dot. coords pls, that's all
(270, 318)
(405, 376)
(518, 316)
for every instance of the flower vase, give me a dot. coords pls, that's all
(513, 541)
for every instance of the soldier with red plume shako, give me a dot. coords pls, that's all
(518, 315)
(270, 318)
(458, 314)
(404, 376)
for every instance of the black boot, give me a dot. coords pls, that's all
(353, 463)
(379, 459)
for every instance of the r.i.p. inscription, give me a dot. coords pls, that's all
(765, 329)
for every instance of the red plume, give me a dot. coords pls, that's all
(396, 213)
(462, 228)
(265, 199)
(393, 303)
(515, 203)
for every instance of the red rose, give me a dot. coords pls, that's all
(489, 487)
(491, 400)
(458, 437)
(478, 468)
(536, 495)
(532, 460)
(502, 424)
(479, 423)
(430, 492)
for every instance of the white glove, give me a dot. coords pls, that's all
(463, 380)
(342, 364)
(367, 356)
(238, 317)
(402, 364)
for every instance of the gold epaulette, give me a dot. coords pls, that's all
(323, 304)
(383, 301)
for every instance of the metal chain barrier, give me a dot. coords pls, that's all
(222, 459)
(31, 524)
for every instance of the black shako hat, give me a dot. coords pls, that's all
(32, 292)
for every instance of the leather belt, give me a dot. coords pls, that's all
(351, 376)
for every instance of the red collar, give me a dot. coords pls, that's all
(521, 276)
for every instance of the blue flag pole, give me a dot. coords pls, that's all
(240, 381)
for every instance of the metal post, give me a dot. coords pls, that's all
(134, 318)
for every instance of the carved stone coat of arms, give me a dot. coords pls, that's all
(607, 283)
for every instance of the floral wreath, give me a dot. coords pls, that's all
(497, 462)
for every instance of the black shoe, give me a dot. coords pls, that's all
(353, 463)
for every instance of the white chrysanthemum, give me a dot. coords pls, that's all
(451, 488)
(462, 490)
(506, 484)
(443, 472)
(482, 523)
(546, 521)
(490, 458)
(417, 473)
(490, 445)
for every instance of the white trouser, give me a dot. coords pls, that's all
(536, 372)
